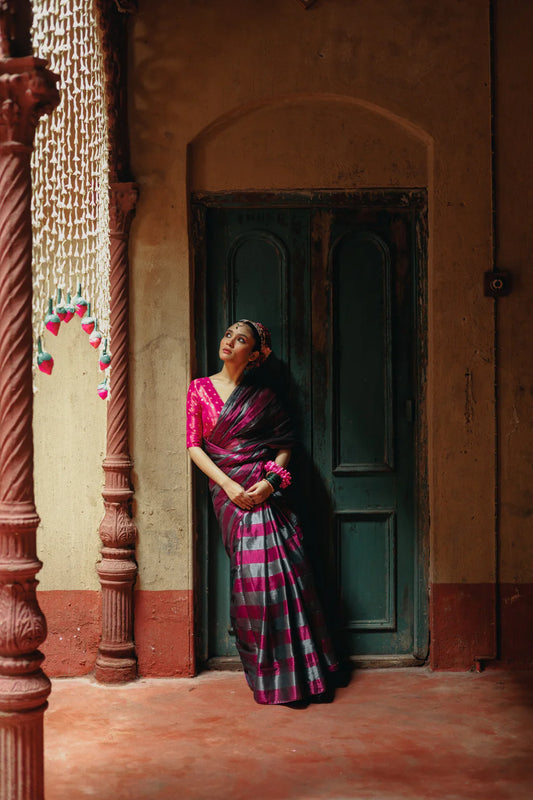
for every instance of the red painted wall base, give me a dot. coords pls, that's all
(163, 632)
(74, 620)
(461, 620)
(516, 612)
(462, 624)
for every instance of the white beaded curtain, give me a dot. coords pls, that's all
(70, 204)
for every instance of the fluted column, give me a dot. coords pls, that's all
(27, 91)
(116, 661)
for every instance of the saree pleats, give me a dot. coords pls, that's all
(280, 631)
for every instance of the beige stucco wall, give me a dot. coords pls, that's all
(224, 95)
(69, 434)
(514, 207)
(240, 95)
(267, 95)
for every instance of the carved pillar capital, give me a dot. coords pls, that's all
(122, 204)
(27, 91)
(117, 528)
(22, 626)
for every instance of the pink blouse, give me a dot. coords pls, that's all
(204, 405)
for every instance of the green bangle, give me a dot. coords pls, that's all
(274, 480)
(266, 479)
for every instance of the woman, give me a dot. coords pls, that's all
(240, 437)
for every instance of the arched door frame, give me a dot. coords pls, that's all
(416, 201)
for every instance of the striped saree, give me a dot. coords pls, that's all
(279, 626)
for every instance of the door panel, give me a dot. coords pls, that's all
(366, 575)
(364, 445)
(361, 352)
(268, 255)
(335, 285)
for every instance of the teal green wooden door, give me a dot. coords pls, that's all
(336, 288)
(363, 413)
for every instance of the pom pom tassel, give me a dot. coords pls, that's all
(80, 303)
(60, 309)
(105, 358)
(52, 321)
(96, 337)
(45, 362)
(88, 322)
(103, 389)
(70, 309)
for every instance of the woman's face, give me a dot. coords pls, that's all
(237, 345)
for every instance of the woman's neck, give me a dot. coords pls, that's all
(232, 376)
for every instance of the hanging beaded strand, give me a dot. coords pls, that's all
(70, 204)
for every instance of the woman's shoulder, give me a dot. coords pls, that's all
(195, 390)
(197, 383)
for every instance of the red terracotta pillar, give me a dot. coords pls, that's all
(27, 91)
(116, 661)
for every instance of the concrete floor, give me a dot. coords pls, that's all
(389, 735)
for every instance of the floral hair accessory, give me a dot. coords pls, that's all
(265, 341)
(283, 473)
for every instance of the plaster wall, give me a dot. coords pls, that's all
(514, 207)
(69, 434)
(344, 95)
(265, 96)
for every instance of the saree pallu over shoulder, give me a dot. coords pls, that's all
(279, 626)
(253, 415)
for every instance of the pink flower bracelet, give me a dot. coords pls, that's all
(277, 476)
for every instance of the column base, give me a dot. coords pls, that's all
(115, 670)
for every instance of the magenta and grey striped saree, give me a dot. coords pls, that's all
(280, 631)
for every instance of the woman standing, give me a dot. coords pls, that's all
(240, 437)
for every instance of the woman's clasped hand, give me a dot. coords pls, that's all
(247, 499)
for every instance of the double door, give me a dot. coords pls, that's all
(336, 285)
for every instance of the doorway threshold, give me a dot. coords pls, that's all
(233, 663)
(386, 662)
(223, 664)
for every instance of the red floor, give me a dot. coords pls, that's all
(390, 735)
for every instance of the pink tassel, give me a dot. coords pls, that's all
(45, 362)
(103, 389)
(105, 358)
(88, 323)
(80, 303)
(52, 321)
(70, 309)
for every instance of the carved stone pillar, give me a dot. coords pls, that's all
(27, 91)
(116, 661)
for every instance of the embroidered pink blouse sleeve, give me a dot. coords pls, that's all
(194, 418)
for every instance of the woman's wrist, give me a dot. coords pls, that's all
(277, 475)
(272, 487)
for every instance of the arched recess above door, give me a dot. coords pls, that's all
(312, 140)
